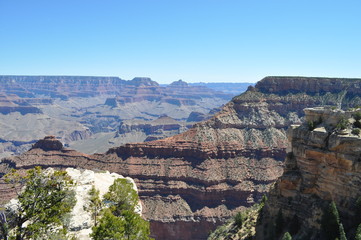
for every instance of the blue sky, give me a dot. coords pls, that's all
(193, 40)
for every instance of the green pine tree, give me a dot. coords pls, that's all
(119, 221)
(342, 232)
(43, 203)
(95, 204)
(287, 236)
(358, 233)
(330, 222)
(109, 227)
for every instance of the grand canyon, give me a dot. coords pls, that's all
(194, 181)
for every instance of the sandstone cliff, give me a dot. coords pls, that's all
(192, 182)
(322, 165)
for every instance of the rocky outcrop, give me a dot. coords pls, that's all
(322, 165)
(160, 128)
(49, 143)
(80, 221)
(197, 117)
(13, 103)
(203, 176)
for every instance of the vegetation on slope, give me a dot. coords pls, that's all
(119, 220)
(241, 226)
(44, 202)
(41, 207)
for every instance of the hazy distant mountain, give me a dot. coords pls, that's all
(86, 112)
(226, 87)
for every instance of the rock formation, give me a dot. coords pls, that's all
(160, 128)
(91, 108)
(80, 220)
(194, 181)
(49, 143)
(322, 165)
(12, 103)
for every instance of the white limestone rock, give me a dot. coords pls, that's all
(81, 221)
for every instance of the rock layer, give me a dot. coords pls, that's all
(92, 108)
(323, 165)
(203, 176)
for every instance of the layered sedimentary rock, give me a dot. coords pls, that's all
(177, 93)
(160, 128)
(137, 89)
(60, 86)
(96, 106)
(13, 103)
(322, 165)
(203, 176)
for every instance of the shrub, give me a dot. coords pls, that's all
(313, 124)
(357, 116)
(356, 131)
(119, 221)
(287, 236)
(342, 124)
(238, 219)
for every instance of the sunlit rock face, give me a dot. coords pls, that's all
(201, 177)
(322, 165)
(81, 221)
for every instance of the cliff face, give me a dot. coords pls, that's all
(203, 176)
(59, 86)
(13, 103)
(160, 128)
(323, 165)
(137, 89)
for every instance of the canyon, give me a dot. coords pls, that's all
(88, 111)
(194, 181)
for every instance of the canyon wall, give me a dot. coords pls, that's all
(322, 165)
(85, 111)
(194, 181)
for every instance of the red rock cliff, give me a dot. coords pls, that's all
(192, 182)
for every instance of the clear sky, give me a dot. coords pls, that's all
(193, 40)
